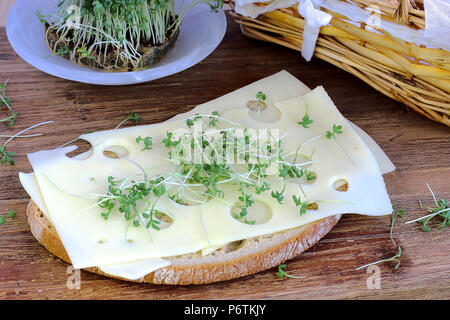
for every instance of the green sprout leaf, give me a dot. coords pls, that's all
(283, 274)
(302, 204)
(63, 51)
(148, 142)
(395, 214)
(214, 119)
(190, 122)
(395, 258)
(42, 17)
(85, 53)
(260, 96)
(168, 141)
(306, 121)
(278, 196)
(132, 116)
(440, 210)
(6, 157)
(11, 119)
(337, 129)
(4, 100)
(11, 214)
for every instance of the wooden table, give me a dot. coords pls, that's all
(418, 147)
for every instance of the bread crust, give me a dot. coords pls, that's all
(268, 253)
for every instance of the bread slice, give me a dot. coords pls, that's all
(237, 259)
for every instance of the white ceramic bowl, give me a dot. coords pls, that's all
(201, 32)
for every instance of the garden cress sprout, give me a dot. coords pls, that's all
(117, 35)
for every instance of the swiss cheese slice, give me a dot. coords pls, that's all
(69, 188)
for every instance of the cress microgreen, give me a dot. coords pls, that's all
(127, 198)
(213, 119)
(302, 204)
(132, 116)
(168, 140)
(264, 187)
(260, 97)
(278, 195)
(7, 156)
(337, 129)
(148, 142)
(306, 121)
(63, 51)
(282, 273)
(85, 53)
(190, 122)
(4, 100)
(395, 214)
(310, 176)
(42, 17)
(441, 210)
(197, 181)
(10, 214)
(114, 33)
(11, 119)
(395, 258)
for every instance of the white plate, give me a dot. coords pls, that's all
(201, 32)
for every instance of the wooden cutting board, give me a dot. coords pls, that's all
(418, 147)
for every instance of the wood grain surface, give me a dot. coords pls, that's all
(418, 147)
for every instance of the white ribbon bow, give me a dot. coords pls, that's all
(314, 19)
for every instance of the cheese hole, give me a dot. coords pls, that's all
(340, 185)
(269, 114)
(165, 220)
(83, 152)
(312, 206)
(258, 213)
(254, 105)
(235, 245)
(100, 239)
(115, 152)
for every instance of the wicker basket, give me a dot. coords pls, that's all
(414, 75)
